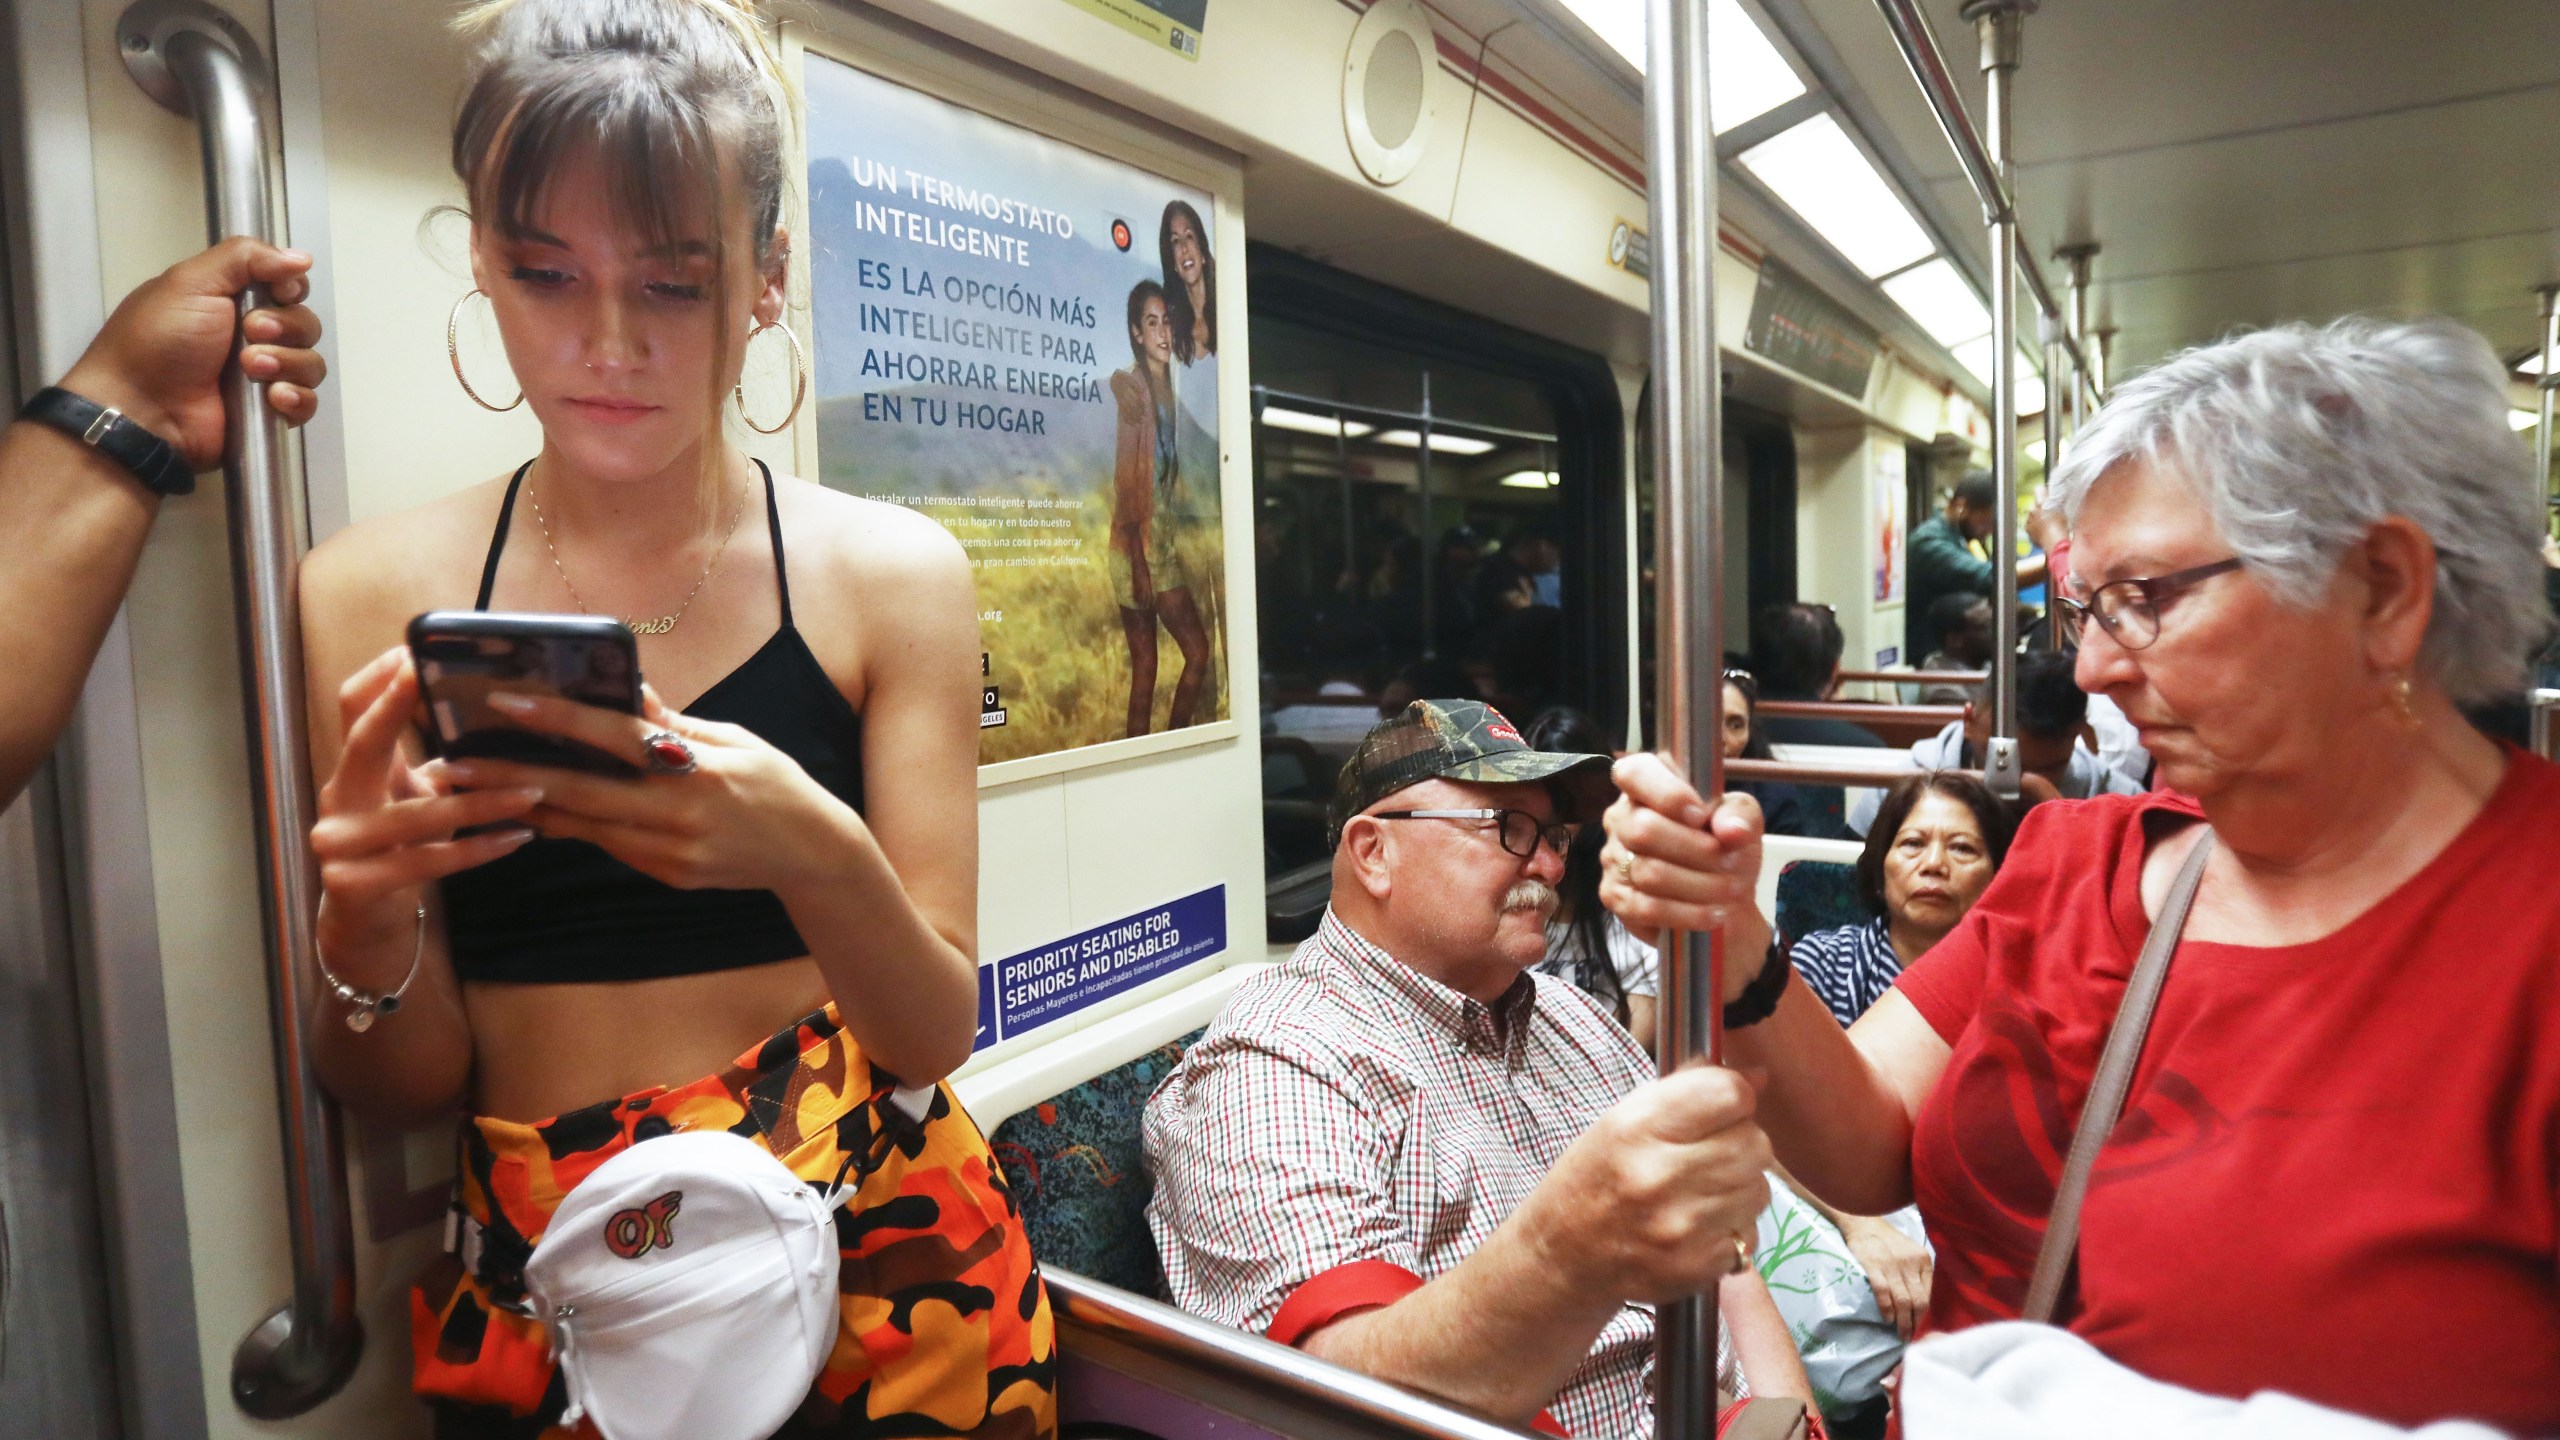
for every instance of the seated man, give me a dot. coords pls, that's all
(1407, 1154)
(2053, 741)
(1967, 639)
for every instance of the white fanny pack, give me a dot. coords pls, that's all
(689, 1285)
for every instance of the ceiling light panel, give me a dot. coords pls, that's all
(1939, 297)
(1746, 75)
(1532, 480)
(1444, 443)
(1820, 173)
(2516, 420)
(1976, 356)
(1279, 418)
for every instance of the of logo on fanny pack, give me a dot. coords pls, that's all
(635, 1232)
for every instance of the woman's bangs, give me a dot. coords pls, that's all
(656, 161)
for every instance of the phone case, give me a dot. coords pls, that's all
(463, 656)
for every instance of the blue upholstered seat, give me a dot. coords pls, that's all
(1817, 895)
(1078, 1170)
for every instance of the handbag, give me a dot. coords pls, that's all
(2059, 1254)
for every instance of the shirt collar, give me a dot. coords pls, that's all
(1463, 1018)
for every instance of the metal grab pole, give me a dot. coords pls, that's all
(2548, 384)
(1680, 169)
(196, 60)
(1999, 22)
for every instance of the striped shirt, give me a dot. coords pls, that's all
(1345, 1108)
(1850, 968)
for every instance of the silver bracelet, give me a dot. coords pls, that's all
(364, 1005)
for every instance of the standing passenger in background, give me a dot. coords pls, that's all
(75, 516)
(1149, 514)
(768, 929)
(1943, 561)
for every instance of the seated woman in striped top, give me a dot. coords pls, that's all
(1932, 849)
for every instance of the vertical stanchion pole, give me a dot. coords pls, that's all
(1422, 462)
(1680, 169)
(1998, 23)
(2099, 367)
(2549, 386)
(2075, 259)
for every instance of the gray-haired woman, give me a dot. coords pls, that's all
(2296, 554)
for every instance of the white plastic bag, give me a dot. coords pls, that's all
(1848, 1347)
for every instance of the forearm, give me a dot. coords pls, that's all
(905, 990)
(1499, 1334)
(2032, 570)
(411, 1065)
(76, 523)
(1830, 1116)
(1762, 1344)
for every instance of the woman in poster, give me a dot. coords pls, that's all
(1149, 512)
(1190, 282)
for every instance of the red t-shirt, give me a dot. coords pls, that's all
(2337, 1171)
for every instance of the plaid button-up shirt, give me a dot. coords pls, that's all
(1345, 1108)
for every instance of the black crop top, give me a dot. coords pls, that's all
(564, 911)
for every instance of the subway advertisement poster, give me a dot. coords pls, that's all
(1019, 338)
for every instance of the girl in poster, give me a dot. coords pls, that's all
(1149, 510)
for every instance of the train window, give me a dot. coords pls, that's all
(1434, 500)
(1759, 562)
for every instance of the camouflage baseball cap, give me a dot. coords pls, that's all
(1460, 740)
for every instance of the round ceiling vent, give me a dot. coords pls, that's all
(1387, 89)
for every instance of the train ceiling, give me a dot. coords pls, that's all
(2248, 161)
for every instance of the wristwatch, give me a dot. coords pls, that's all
(1759, 1000)
(103, 428)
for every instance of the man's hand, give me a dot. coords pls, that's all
(161, 355)
(1660, 1197)
(1898, 1269)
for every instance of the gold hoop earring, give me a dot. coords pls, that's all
(799, 377)
(453, 353)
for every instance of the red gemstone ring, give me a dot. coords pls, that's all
(667, 753)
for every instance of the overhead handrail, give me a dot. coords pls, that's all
(1929, 67)
(1680, 163)
(1107, 1324)
(196, 60)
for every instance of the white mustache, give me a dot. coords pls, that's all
(1530, 894)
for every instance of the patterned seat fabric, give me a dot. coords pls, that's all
(1077, 1167)
(1812, 895)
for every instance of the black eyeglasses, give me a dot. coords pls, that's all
(1521, 832)
(2130, 609)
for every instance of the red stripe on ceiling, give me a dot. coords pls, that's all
(1526, 106)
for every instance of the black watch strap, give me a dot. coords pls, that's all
(153, 461)
(1759, 1000)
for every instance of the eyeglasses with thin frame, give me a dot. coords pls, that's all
(2130, 609)
(1521, 832)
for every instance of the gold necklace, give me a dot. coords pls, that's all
(663, 623)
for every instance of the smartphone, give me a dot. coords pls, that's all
(464, 656)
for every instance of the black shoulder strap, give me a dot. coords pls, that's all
(498, 541)
(773, 520)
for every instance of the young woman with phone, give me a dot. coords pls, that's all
(770, 930)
